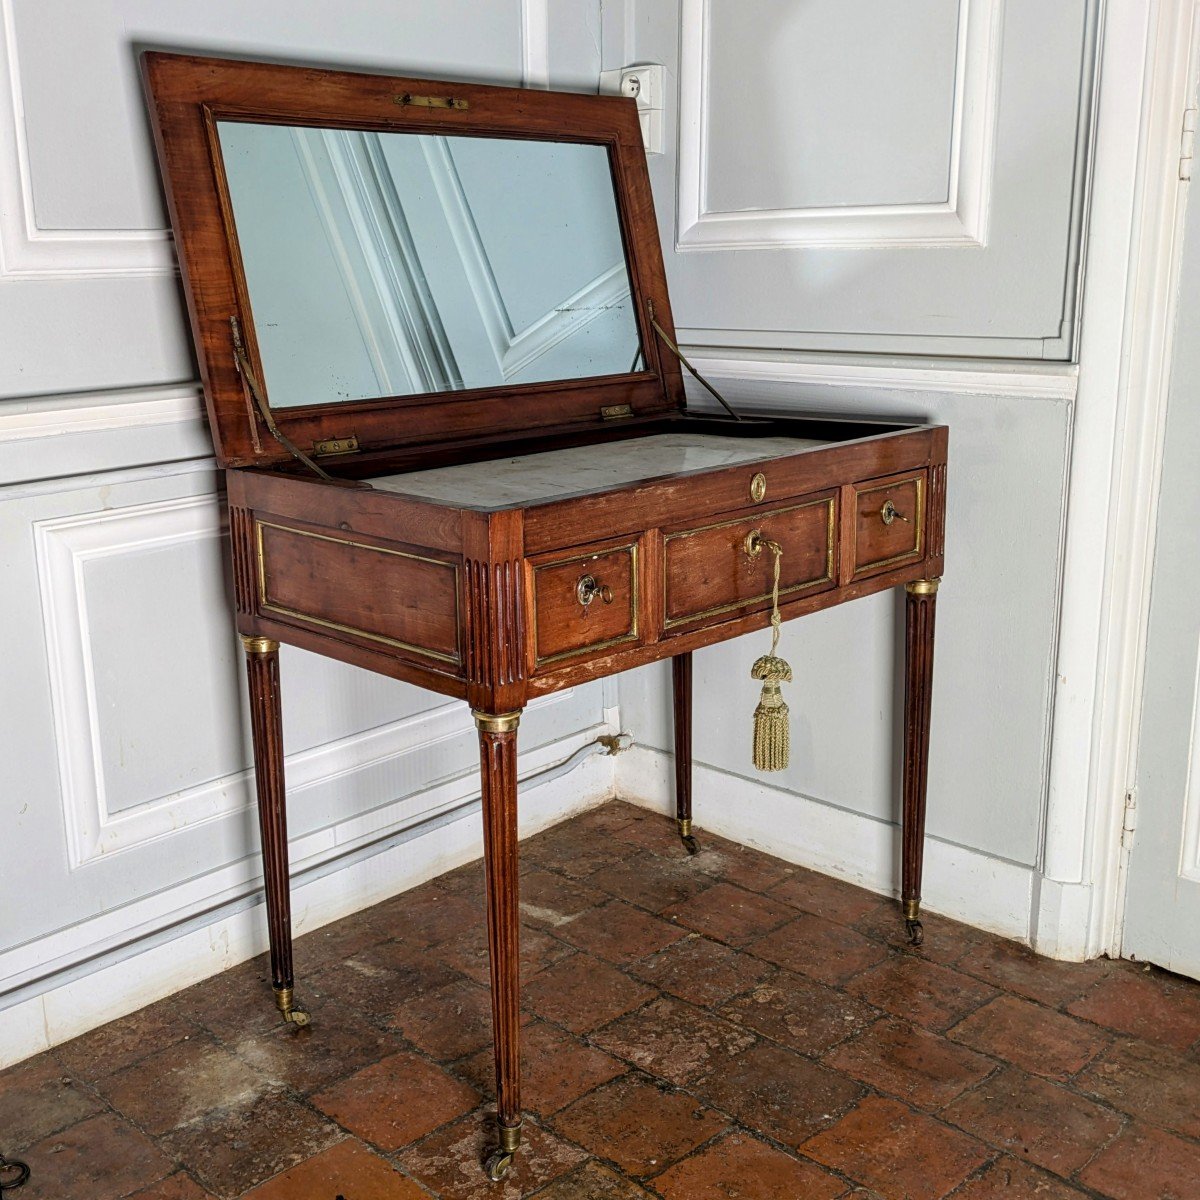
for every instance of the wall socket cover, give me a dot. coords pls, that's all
(642, 83)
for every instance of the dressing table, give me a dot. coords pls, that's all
(438, 357)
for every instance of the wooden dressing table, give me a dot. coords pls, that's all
(551, 515)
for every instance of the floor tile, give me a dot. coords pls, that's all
(448, 1022)
(779, 1093)
(831, 899)
(903, 1060)
(550, 901)
(348, 1169)
(593, 1181)
(1147, 1004)
(308, 1057)
(740, 1167)
(1148, 1082)
(1146, 1164)
(701, 971)
(750, 869)
(673, 1040)
(101, 1158)
(1015, 968)
(396, 1101)
(467, 953)
(945, 941)
(638, 1125)
(1008, 1179)
(556, 1067)
(1034, 1119)
(731, 914)
(807, 1016)
(234, 1149)
(924, 993)
(886, 1145)
(581, 993)
(182, 1083)
(620, 933)
(1031, 1036)
(37, 1098)
(121, 1043)
(374, 981)
(819, 949)
(236, 1002)
(450, 1161)
(427, 915)
(650, 882)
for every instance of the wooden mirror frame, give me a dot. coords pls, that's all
(188, 95)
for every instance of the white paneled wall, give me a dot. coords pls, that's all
(126, 804)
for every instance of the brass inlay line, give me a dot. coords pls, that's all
(919, 531)
(591, 556)
(265, 605)
(830, 543)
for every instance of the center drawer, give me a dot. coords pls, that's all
(708, 574)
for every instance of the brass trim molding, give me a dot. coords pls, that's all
(265, 605)
(922, 587)
(496, 722)
(258, 645)
(631, 635)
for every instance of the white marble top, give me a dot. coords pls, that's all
(581, 470)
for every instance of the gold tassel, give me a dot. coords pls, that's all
(772, 740)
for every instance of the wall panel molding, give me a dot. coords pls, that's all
(30, 252)
(961, 219)
(96, 412)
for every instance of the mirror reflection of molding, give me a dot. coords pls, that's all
(400, 264)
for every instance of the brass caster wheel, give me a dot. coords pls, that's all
(292, 1015)
(298, 1017)
(690, 844)
(498, 1164)
(915, 931)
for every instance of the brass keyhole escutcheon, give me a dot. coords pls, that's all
(889, 513)
(754, 543)
(758, 488)
(588, 588)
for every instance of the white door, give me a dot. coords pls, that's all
(1162, 917)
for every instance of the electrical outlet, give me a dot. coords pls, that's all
(643, 84)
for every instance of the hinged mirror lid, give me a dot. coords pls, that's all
(374, 262)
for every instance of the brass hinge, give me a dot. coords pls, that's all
(455, 102)
(616, 412)
(345, 445)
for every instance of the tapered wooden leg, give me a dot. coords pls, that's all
(498, 767)
(681, 679)
(266, 720)
(920, 609)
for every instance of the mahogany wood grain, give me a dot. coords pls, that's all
(877, 544)
(498, 771)
(920, 611)
(266, 723)
(707, 572)
(400, 598)
(562, 625)
(681, 698)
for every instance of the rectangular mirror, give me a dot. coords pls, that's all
(396, 264)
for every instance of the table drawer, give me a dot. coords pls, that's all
(584, 601)
(889, 523)
(708, 575)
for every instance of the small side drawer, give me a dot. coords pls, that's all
(888, 523)
(584, 601)
(708, 575)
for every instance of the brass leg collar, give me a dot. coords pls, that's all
(685, 827)
(912, 909)
(496, 722)
(283, 1002)
(510, 1137)
(922, 587)
(258, 645)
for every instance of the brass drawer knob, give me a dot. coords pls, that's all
(588, 588)
(889, 513)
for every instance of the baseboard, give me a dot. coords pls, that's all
(959, 882)
(427, 848)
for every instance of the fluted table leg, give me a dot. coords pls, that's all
(681, 679)
(266, 719)
(498, 766)
(920, 610)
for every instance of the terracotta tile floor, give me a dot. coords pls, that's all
(709, 1028)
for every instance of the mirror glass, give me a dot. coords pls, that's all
(393, 264)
